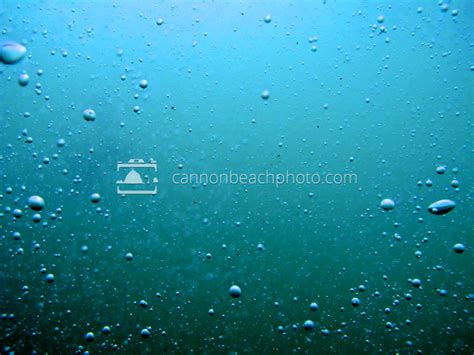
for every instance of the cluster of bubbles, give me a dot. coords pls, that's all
(312, 40)
(12, 53)
(439, 207)
(444, 7)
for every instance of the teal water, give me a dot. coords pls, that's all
(388, 100)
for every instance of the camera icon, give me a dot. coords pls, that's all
(134, 183)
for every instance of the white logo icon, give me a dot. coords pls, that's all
(134, 184)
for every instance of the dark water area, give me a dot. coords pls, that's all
(236, 177)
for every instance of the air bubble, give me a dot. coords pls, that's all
(36, 203)
(95, 198)
(90, 337)
(387, 204)
(459, 248)
(145, 333)
(308, 325)
(89, 115)
(23, 79)
(441, 207)
(11, 52)
(235, 291)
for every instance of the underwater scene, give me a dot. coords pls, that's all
(236, 177)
